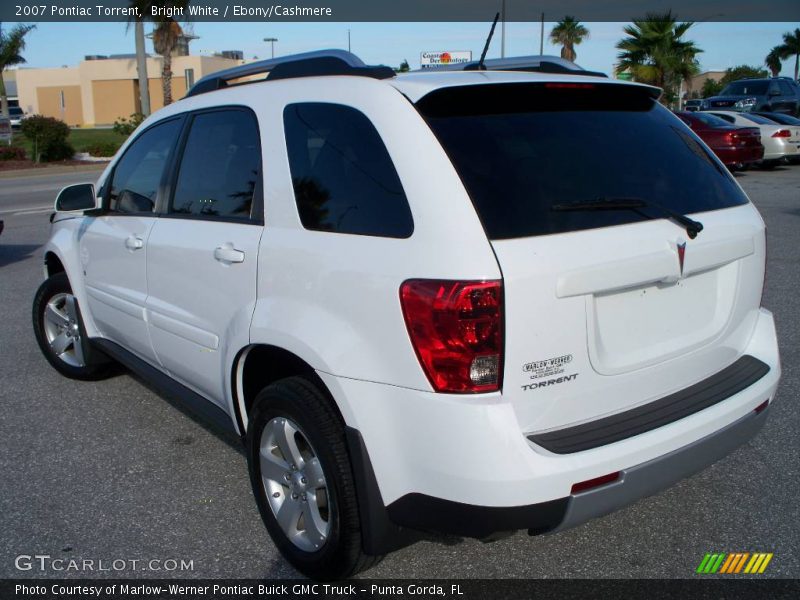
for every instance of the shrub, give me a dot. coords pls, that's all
(102, 149)
(49, 138)
(12, 153)
(125, 126)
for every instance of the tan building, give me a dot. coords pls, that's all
(696, 82)
(100, 90)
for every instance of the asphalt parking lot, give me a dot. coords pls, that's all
(110, 470)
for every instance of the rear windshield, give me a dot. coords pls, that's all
(522, 148)
(757, 119)
(711, 120)
(743, 88)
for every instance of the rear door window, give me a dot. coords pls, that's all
(220, 170)
(520, 149)
(343, 177)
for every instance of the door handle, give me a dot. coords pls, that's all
(228, 254)
(134, 243)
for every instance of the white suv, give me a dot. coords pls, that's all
(466, 302)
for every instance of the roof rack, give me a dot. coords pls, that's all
(307, 64)
(536, 63)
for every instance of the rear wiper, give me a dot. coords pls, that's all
(692, 227)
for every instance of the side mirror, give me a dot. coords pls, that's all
(76, 198)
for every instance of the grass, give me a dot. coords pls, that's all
(81, 139)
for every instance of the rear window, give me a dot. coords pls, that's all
(522, 148)
(757, 119)
(743, 88)
(710, 120)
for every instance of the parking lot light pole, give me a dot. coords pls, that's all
(272, 41)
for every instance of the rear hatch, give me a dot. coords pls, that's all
(606, 309)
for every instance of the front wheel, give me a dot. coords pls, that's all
(59, 330)
(302, 480)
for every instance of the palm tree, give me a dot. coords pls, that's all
(773, 61)
(11, 46)
(166, 34)
(790, 46)
(656, 53)
(568, 32)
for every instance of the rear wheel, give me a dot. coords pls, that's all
(59, 330)
(302, 480)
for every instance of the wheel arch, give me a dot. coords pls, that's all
(52, 264)
(258, 365)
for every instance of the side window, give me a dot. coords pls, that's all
(786, 89)
(138, 173)
(774, 88)
(344, 180)
(221, 166)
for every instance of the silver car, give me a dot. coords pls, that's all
(781, 142)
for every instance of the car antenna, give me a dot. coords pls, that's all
(481, 66)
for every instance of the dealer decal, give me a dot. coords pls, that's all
(549, 382)
(548, 367)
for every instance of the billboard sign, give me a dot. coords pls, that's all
(440, 59)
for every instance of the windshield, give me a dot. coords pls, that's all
(745, 88)
(521, 148)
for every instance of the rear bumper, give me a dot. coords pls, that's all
(463, 465)
(417, 511)
(731, 155)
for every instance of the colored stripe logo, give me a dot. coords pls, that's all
(734, 563)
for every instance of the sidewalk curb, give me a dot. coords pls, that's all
(33, 171)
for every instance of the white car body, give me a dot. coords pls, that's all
(775, 148)
(618, 311)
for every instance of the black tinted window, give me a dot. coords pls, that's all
(786, 89)
(711, 120)
(344, 180)
(138, 173)
(522, 148)
(221, 165)
(744, 88)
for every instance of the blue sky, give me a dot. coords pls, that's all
(724, 44)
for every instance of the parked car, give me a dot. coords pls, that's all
(737, 147)
(440, 324)
(779, 94)
(780, 143)
(693, 105)
(16, 115)
(794, 127)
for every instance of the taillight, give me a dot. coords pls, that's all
(729, 137)
(456, 328)
(782, 133)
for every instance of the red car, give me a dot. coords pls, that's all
(737, 147)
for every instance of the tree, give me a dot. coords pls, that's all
(166, 34)
(789, 47)
(404, 68)
(656, 53)
(568, 32)
(773, 61)
(742, 72)
(11, 46)
(711, 88)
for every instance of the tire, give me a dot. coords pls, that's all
(78, 360)
(330, 547)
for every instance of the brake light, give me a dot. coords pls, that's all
(782, 133)
(456, 328)
(581, 86)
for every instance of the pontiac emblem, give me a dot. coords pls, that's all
(681, 254)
